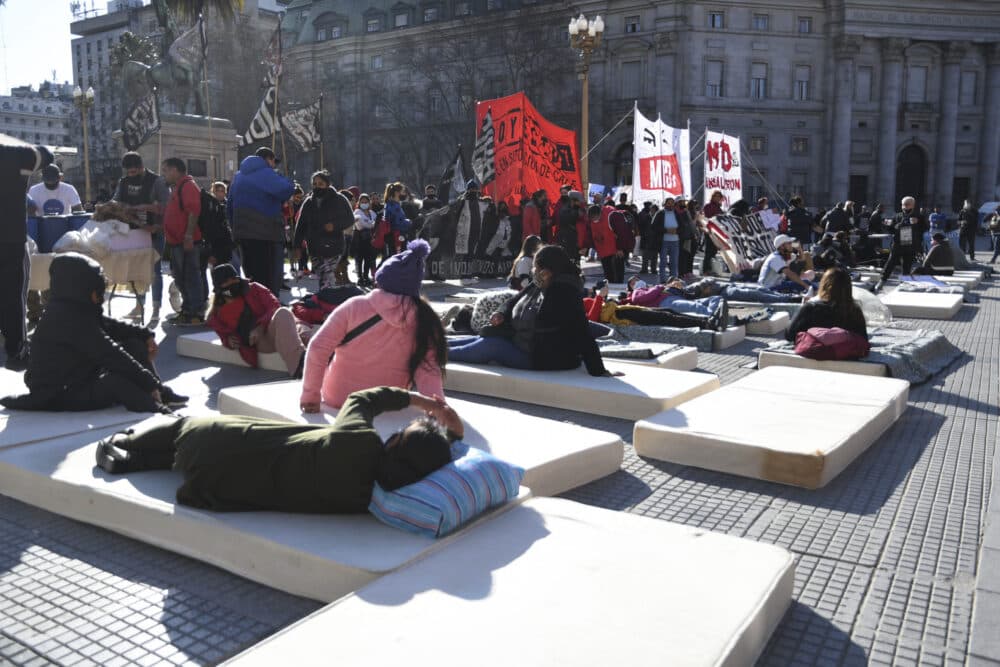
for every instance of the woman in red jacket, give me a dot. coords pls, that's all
(249, 318)
(605, 241)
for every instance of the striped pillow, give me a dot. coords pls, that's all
(450, 496)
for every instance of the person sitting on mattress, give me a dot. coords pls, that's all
(776, 272)
(542, 328)
(82, 360)
(232, 463)
(601, 309)
(401, 342)
(834, 306)
(249, 318)
(939, 260)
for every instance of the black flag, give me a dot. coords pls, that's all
(262, 125)
(303, 125)
(484, 155)
(453, 178)
(141, 122)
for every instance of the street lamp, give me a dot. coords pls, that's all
(83, 101)
(585, 37)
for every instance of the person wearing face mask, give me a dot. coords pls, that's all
(249, 318)
(82, 360)
(776, 272)
(364, 253)
(905, 229)
(324, 216)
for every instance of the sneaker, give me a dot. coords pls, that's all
(176, 300)
(171, 398)
(137, 314)
(450, 315)
(185, 320)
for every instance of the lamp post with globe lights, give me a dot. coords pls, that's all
(585, 37)
(84, 101)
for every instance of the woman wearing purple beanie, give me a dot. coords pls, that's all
(388, 337)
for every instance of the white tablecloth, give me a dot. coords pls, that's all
(122, 267)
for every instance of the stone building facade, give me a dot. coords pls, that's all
(40, 116)
(833, 99)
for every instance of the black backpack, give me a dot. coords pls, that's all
(212, 220)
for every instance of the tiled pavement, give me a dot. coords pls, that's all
(891, 565)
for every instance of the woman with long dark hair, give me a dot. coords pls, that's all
(388, 337)
(520, 271)
(834, 306)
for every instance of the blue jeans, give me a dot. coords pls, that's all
(159, 245)
(755, 294)
(700, 307)
(186, 267)
(792, 287)
(494, 349)
(671, 249)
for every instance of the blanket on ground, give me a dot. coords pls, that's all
(618, 349)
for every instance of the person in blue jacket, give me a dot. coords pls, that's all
(254, 206)
(393, 213)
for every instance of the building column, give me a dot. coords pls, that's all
(891, 86)
(840, 146)
(989, 152)
(944, 157)
(667, 93)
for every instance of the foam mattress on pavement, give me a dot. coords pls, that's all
(642, 391)
(682, 358)
(322, 557)
(556, 456)
(725, 339)
(767, 359)
(774, 324)
(790, 308)
(568, 584)
(754, 426)
(966, 281)
(21, 427)
(206, 345)
(921, 305)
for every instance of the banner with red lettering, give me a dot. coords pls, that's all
(723, 170)
(661, 165)
(530, 153)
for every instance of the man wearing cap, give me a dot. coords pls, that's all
(52, 196)
(254, 205)
(776, 272)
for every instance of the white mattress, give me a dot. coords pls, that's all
(20, 427)
(722, 340)
(968, 282)
(642, 391)
(775, 324)
(766, 359)
(790, 425)
(922, 305)
(568, 584)
(206, 345)
(556, 456)
(322, 557)
(682, 359)
(790, 308)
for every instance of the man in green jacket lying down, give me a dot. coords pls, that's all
(233, 463)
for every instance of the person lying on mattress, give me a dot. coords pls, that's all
(673, 296)
(834, 306)
(80, 359)
(249, 318)
(939, 261)
(233, 463)
(400, 339)
(609, 311)
(542, 328)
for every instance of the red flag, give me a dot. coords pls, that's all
(531, 153)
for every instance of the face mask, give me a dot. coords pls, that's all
(319, 192)
(52, 186)
(232, 291)
(363, 207)
(640, 284)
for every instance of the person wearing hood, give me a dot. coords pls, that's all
(255, 201)
(838, 219)
(82, 360)
(543, 327)
(323, 218)
(389, 337)
(249, 318)
(234, 463)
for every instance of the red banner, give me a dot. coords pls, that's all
(531, 153)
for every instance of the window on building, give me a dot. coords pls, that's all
(717, 20)
(863, 84)
(805, 25)
(758, 144)
(798, 184)
(100, 46)
(758, 81)
(967, 89)
(631, 80)
(713, 78)
(857, 188)
(376, 62)
(802, 75)
(493, 5)
(430, 14)
(916, 84)
(463, 8)
(800, 145)
(198, 168)
(88, 47)
(758, 189)
(401, 20)
(335, 31)
(761, 22)
(631, 24)
(321, 34)
(373, 25)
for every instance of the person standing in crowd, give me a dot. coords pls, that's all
(220, 191)
(431, 201)
(647, 239)
(665, 227)
(398, 223)
(968, 226)
(255, 201)
(834, 306)
(532, 213)
(937, 224)
(799, 221)
(569, 216)
(905, 234)
(625, 240)
(993, 222)
(183, 239)
(557, 208)
(145, 195)
(875, 220)
(838, 219)
(364, 253)
(323, 218)
(712, 209)
(686, 234)
(604, 240)
(389, 337)
(52, 196)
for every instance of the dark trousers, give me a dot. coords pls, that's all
(15, 268)
(710, 252)
(608, 264)
(658, 317)
(687, 257)
(109, 388)
(898, 258)
(967, 241)
(649, 258)
(259, 262)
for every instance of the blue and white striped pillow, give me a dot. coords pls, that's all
(450, 496)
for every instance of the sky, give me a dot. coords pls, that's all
(34, 40)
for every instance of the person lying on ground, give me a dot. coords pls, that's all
(249, 318)
(600, 309)
(674, 297)
(747, 292)
(834, 306)
(233, 463)
(80, 359)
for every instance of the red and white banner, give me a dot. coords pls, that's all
(661, 165)
(723, 170)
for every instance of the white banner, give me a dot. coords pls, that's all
(723, 170)
(661, 164)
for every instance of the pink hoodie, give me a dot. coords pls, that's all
(378, 357)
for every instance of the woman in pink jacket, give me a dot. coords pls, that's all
(388, 337)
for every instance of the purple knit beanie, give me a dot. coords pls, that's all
(403, 272)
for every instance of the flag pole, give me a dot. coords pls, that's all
(322, 133)
(277, 79)
(159, 135)
(208, 97)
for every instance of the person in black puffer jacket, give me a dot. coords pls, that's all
(323, 218)
(82, 360)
